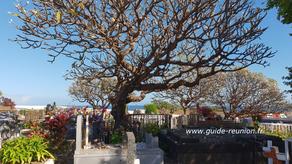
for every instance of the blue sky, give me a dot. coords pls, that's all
(27, 77)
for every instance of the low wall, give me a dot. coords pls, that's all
(110, 156)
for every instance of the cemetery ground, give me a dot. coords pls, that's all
(78, 136)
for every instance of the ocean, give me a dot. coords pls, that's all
(38, 107)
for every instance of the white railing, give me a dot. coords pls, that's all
(276, 127)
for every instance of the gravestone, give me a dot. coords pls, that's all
(87, 144)
(174, 121)
(184, 120)
(131, 148)
(78, 134)
(150, 154)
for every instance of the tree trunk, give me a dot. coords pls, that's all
(185, 111)
(226, 114)
(119, 114)
(198, 107)
(119, 106)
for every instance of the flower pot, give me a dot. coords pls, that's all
(25, 132)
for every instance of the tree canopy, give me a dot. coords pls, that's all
(284, 8)
(165, 107)
(151, 108)
(190, 97)
(95, 92)
(288, 79)
(146, 45)
(247, 93)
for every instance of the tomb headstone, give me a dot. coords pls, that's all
(78, 134)
(131, 148)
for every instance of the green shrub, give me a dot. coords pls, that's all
(22, 112)
(151, 108)
(164, 126)
(116, 137)
(152, 128)
(281, 134)
(165, 107)
(25, 150)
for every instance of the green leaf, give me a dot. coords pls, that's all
(24, 150)
(14, 14)
(81, 5)
(73, 12)
(59, 17)
(38, 156)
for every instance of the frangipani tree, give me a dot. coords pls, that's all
(247, 93)
(146, 45)
(95, 92)
(190, 97)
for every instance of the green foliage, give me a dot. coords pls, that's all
(284, 9)
(37, 129)
(22, 111)
(25, 150)
(116, 137)
(27, 125)
(164, 126)
(288, 79)
(256, 119)
(164, 105)
(282, 134)
(151, 108)
(152, 128)
(34, 125)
